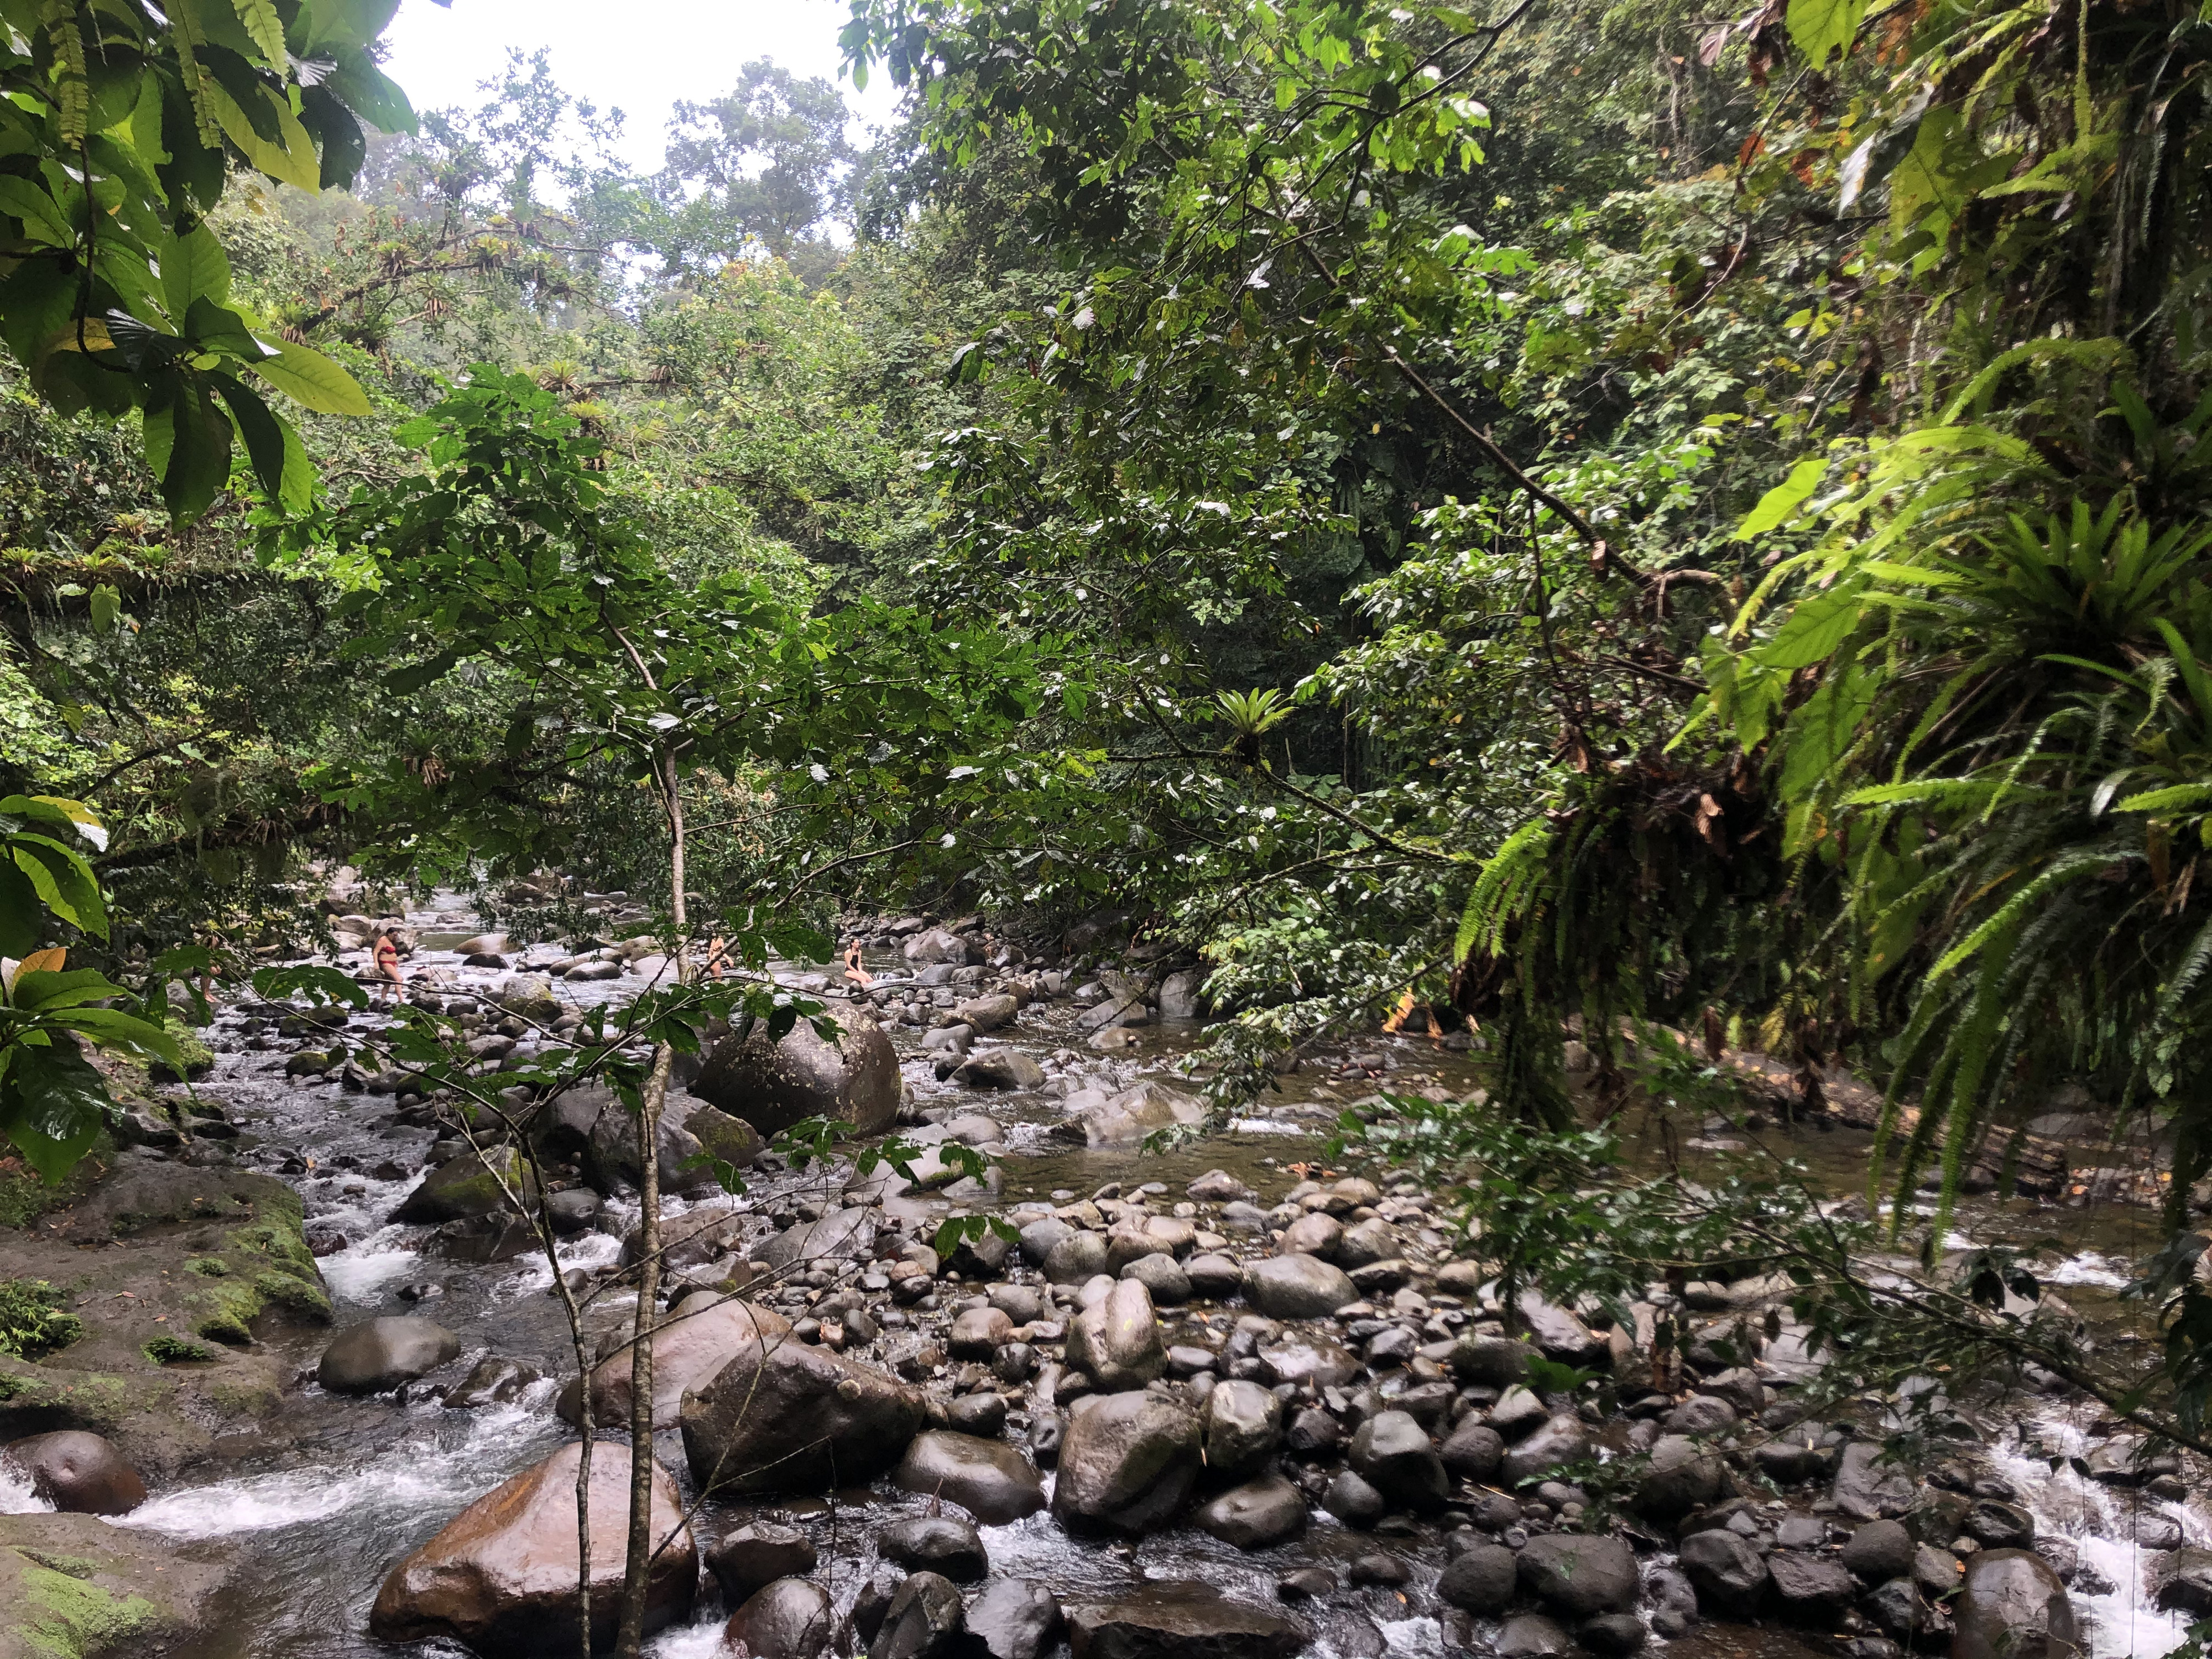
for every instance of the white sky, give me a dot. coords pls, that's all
(639, 55)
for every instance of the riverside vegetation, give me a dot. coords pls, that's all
(1506, 709)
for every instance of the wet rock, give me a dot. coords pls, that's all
(1561, 1440)
(1126, 1119)
(573, 1210)
(1935, 1571)
(1474, 1452)
(1580, 1576)
(500, 1577)
(755, 1556)
(530, 995)
(77, 1471)
(874, 1600)
(2000, 1525)
(1243, 1424)
(1352, 1500)
(786, 1416)
(1219, 1186)
(1303, 1583)
(773, 1085)
(1727, 1571)
(844, 1234)
(979, 1332)
(78, 1587)
(936, 1543)
(923, 1621)
(689, 1348)
(1308, 1362)
(1313, 1432)
(1391, 1452)
(1297, 1287)
(1126, 1465)
(1074, 1258)
(1314, 1233)
(1480, 1580)
(789, 1619)
(1879, 1550)
(1531, 1635)
(1681, 1476)
(990, 1479)
(1012, 1618)
(493, 1380)
(2183, 1580)
(1811, 1589)
(378, 1354)
(1490, 1362)
(467, 1186)
(1116, 1342)
(1611, 1633)
(982, 1415)
(1867, 1489)
(1700, 1413)
(1163, 1276)
(1896, 1607)
(1183, 1621)
(1000, 1068)
(1259, 1513)
(2013, 1606)
(1558, 1335)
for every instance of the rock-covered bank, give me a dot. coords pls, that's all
(1240, 1412)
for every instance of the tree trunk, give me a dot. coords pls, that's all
(637, 1564)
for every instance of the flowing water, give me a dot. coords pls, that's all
(335, 1491)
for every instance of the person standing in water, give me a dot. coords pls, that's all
(385, 954)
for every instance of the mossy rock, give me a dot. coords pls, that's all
(466, 1187)
(72, 1587)
(198, 1058)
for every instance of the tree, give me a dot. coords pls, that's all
(121, 134)
(764, 166)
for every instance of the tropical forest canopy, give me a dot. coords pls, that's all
(1534, 518)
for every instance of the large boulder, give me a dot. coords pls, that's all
(789, 1619)
(1867, 1489)
(78, 1587)
(1562, 1440)
(77, 1471)
(842, 1234)
(1727, 1570)
(1116, 1341)
(469, 1186)
(784, 1417)
(1297, 1287)
(1259, 1513)
(2183, 1580)
(689, 1348)
(754, 1556)
(1243, 1424)
(1474, 1451)
(1480, 1580)
(1098, 1118)
(1681, 1476)
(2013, 1606)
(923, 1620)
(1183, 1621)
(1127, 1464)
(1391, 1452)
(935, 944)
(1811, 1589)
(378, 1354)
(1012, 1618)
(775, 1084)
(500, 1579)
(989, 1478)
(1580, 1576)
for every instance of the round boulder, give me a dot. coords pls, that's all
(77, 1471)
(378, 1354)
(1127, 1464)
(775, 1084)
(1297, 1287)
(2013, 1606)
(500, 1579)
(1267, 1510)
(1580, 1576)
(789, 1619)
(989, 1478)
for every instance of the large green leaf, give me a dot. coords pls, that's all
(1822, 28)
(52, 1104)
(194, 267)
(313, 380)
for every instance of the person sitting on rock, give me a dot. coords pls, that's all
(853, 971)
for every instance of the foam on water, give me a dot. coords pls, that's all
(16, 1496)
(2090, 1268)
(419, 1472)
(359, 1273)
(2122, 1622)
(700, 1641)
